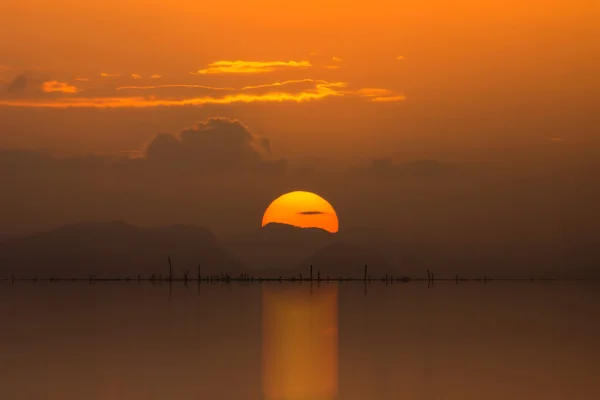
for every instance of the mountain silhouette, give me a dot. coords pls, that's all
(337, 260)
(115, 249)
(277, 246)
(344, 260)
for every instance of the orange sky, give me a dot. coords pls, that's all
(317, 78)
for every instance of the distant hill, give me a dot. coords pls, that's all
(115, 248)
(277, 246)
(337, 260)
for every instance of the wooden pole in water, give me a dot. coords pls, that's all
(311, 272)
(365, 278)
(170, 270)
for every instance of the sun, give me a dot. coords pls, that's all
(302, 209)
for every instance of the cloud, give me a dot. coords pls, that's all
(155, 76)
(35, 90)
(107, 75)
(332, 67)
(82, 79)
(400, 58)
(311, 213)
(171, 86)
(289, 82)
(56, 86)
(221, 143)
(250, 67)
(318, 91)
(136, 76)
(336, 59)
(212, 147)
(377, 95)
(26, 84)
(388, 99)
(18, 85)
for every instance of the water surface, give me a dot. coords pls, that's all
(518, 341)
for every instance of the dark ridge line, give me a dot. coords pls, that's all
(227, 278)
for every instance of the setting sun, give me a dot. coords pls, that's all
(302, 209)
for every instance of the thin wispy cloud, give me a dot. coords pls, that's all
(320, 91)
(155, 76)
(331, 67)
(311, 213)
(274, 84)
(378, 95)
(388, 99)
(66, 95)
(400, 58)
(336, 59)
(60, 87)
(148, 87)
(250, 67)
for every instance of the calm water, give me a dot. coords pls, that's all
(73, 341)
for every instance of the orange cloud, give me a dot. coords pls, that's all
(336, 59)
(172, 86)
(106, 75)
(56, 86)
(320, 91)
(136, 76)
(400, 58)
(332, 67)
(284, 83)
(388, 99)
(82, 79)
(250, 67)
(379, 95)
(155, 76)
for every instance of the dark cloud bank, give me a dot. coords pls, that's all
(220, 175)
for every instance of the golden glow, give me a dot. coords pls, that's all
(320, 91)
(250, 67)
(300, 343)
(136, 76)
(56, 86)
(389, 99)
(107, 75)
(302, 209)
(131, 87)
(317, 81)
(155, 76)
